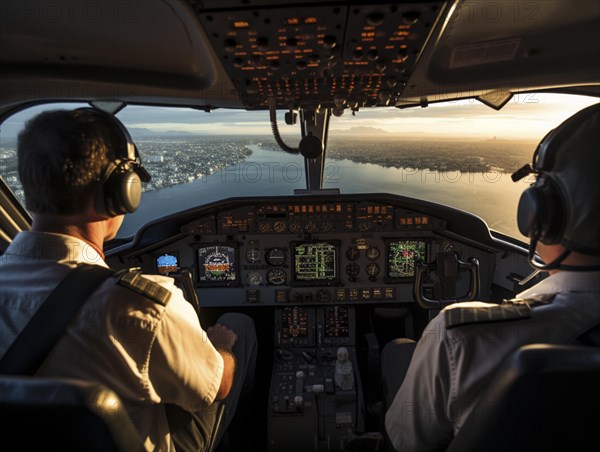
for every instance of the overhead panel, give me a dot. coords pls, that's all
(341, 54)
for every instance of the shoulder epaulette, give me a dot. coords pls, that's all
(508, 310)
(132, 279)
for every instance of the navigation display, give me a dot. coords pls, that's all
(217, 264)
(401, 258)
(167, 263)
(295, 323)
(315, 262)
(336, 321)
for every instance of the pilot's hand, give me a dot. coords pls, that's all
(221, 337)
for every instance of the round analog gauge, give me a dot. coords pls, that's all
(265, 227)
(324, 296)
(352, 253)
(327, 226)
(352, 269)
(372, 269)
(373, 253)
(275, 257)
(279, 226)
(253, 255)
(254, 278)
(310, 226)
(295, 227)
(276, 276)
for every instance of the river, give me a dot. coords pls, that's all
(492, 196)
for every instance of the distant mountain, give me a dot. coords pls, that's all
(141, 132)
(362, 130)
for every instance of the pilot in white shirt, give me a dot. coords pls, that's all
(136, 333)
(430, 395)
(137, 346)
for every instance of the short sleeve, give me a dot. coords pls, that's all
(184, 366)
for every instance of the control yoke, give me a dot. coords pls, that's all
(185, 282)
(446, 266)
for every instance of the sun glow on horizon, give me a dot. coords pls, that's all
(525, 117)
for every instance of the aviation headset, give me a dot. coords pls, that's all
(120, 188)
(563, 205)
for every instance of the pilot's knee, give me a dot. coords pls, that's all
(397, 350)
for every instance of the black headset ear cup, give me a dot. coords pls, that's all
(540, 212)
(121, 191)
(528, 211)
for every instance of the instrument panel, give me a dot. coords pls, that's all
(309, 252)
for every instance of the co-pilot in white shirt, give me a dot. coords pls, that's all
(147, 353)
(450, 368)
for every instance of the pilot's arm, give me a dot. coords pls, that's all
(223, 339)
(185, 368)
(452, 364)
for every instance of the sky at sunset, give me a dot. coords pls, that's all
(526, 116)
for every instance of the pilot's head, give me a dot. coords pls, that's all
(80, 162)
(561, 210)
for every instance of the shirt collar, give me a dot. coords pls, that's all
(59, 248)
(565, 281)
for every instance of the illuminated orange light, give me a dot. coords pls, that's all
(310, 20)
(241, 24)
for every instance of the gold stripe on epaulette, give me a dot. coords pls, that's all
(498, 313)
(133, 279)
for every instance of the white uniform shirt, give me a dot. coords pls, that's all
(147, 353)
(451, 367)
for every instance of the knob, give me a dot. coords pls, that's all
(230, 45)
(300, 374)
(329, 42)
(298, 401)
(262, 43)
(318, 389)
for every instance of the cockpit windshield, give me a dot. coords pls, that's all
(459, 154)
